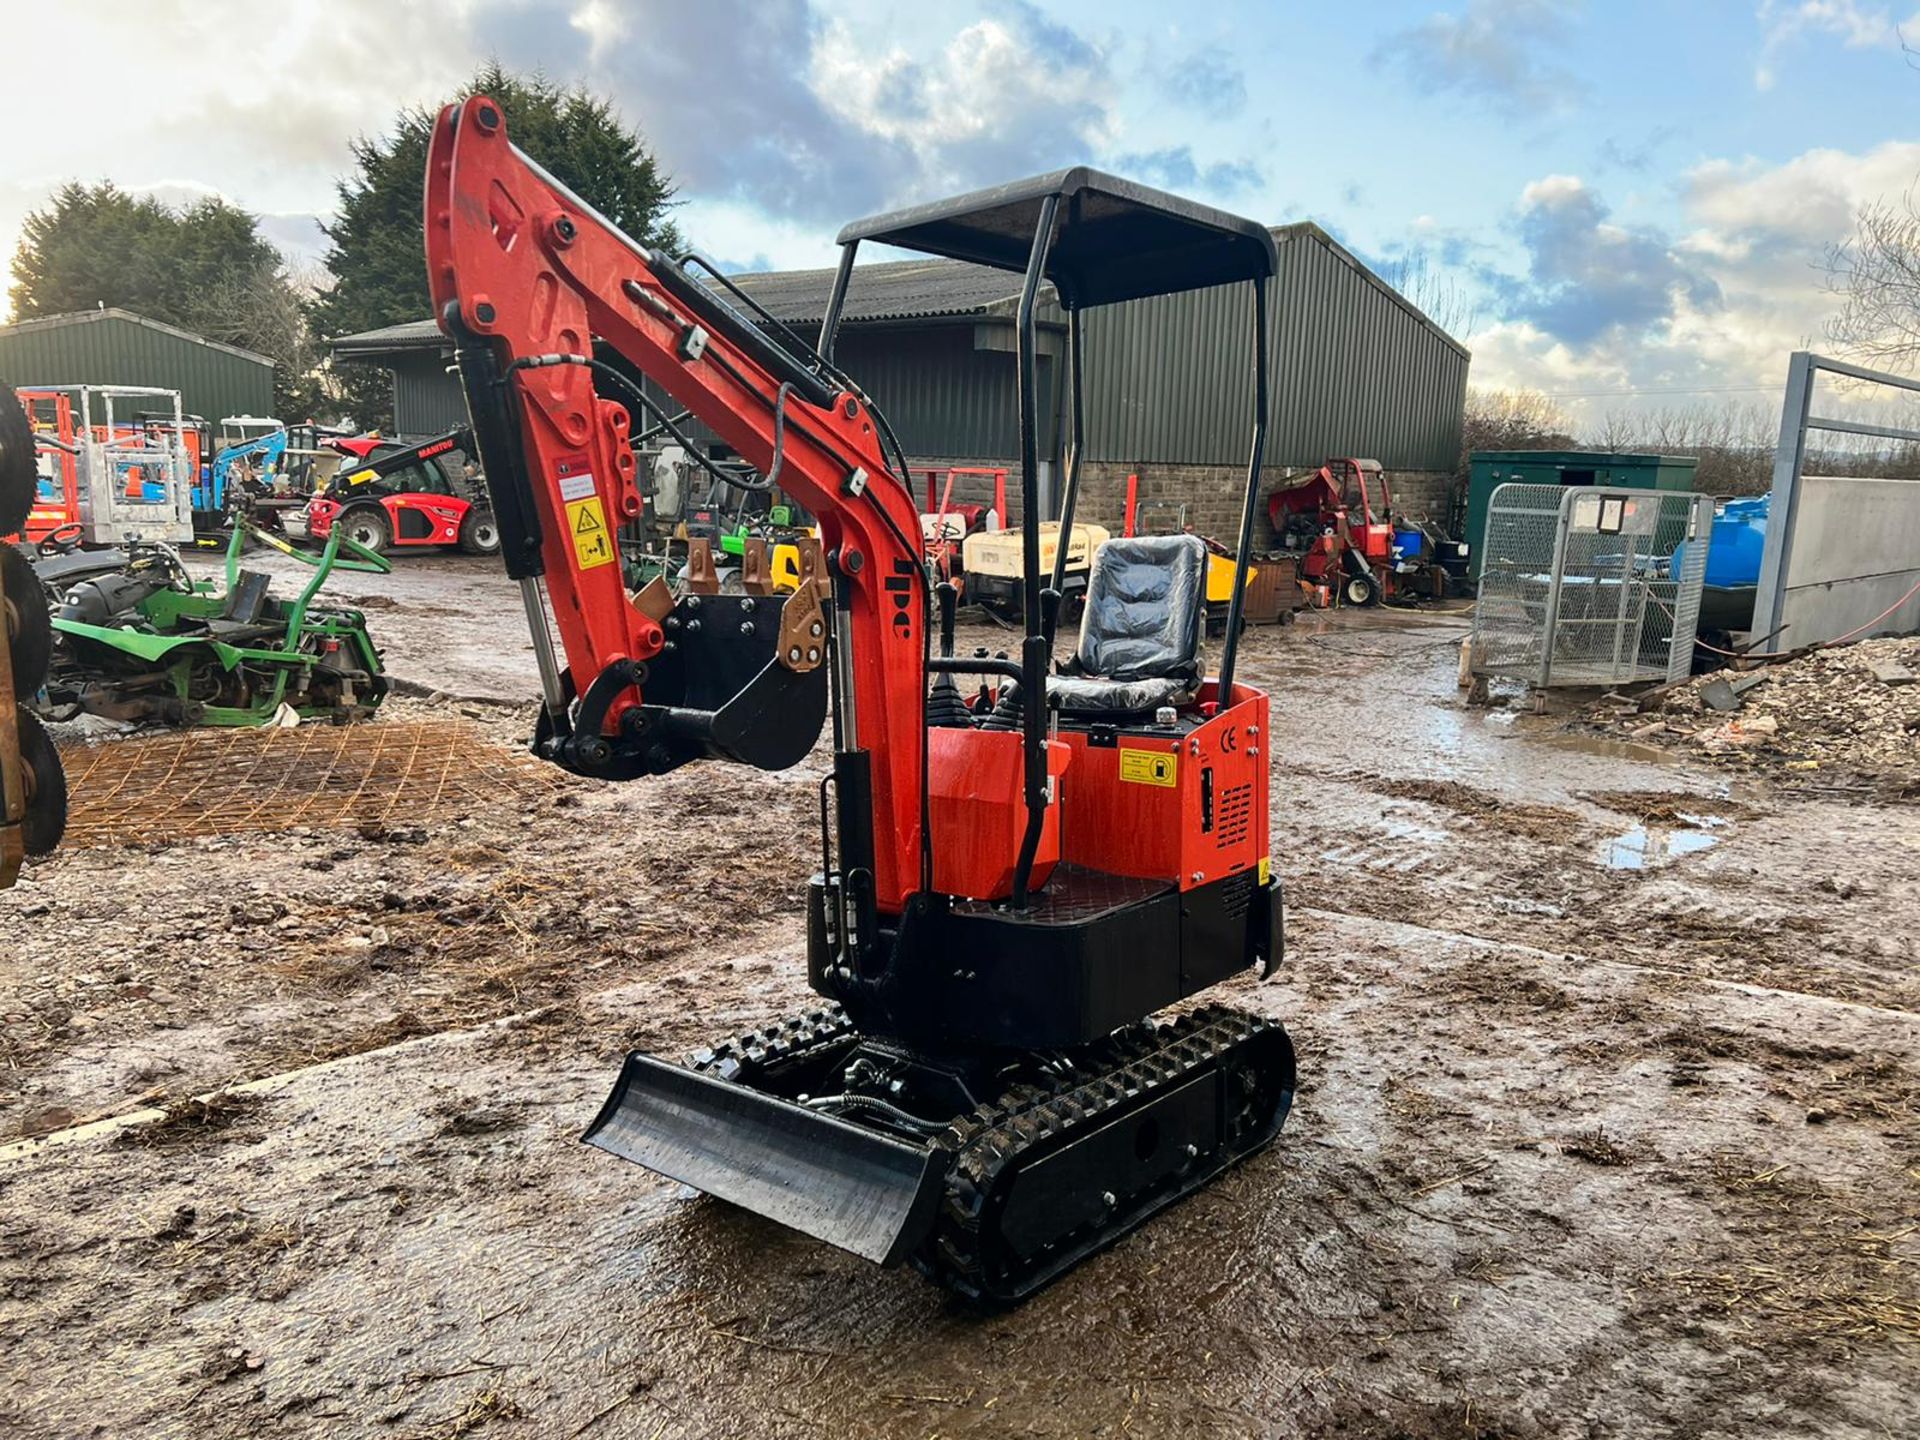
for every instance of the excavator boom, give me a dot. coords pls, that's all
(525, 277)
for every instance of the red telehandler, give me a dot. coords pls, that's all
(1011, 885)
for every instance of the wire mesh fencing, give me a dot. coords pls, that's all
(229, 782)
(1590, 585)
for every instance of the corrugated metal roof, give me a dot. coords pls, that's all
(922, 289)
(892, 290)
(411, 335)
(1355, 366)
(114, 347)
(42, 323)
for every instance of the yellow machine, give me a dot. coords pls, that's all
(1220, 578)
(784, 566)
(991, 561)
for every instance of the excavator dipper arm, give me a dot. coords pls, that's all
(525, 278)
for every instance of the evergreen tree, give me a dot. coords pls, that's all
(203, 267)
(377, 255)
(97, 245)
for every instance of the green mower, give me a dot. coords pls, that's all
(149, 644)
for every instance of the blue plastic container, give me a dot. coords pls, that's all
(1739, 540)
(1409, 544)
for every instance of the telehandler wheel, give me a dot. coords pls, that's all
(18, 479)
(367, 526)
(25, 622)
(478, 533)
(46, 818)
(1360, 590)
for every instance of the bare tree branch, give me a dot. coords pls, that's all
(1876, 273)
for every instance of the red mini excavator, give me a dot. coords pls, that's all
(1014, 877)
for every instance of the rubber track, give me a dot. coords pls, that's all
(1136, 1060)
(774, 1044)
(1031, 1113)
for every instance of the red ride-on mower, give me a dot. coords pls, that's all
(1339, 521)
(946, 522)
(420, 495)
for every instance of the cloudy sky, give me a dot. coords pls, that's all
(1632, 195)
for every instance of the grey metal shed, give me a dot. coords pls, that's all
(117, 347)
(1357, 369)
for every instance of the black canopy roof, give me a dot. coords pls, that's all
(1113, 239)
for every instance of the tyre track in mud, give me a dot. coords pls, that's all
(1520, 1195)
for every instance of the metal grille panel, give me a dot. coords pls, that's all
(1236, 814)
(1590, 585)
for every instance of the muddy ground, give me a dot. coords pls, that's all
(1607, 1122)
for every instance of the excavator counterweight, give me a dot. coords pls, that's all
(1015, 880)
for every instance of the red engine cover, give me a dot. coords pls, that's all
(977, 798)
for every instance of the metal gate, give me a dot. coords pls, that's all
(1853, 570)
(1590, 585)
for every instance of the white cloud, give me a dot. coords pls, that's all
(1811, 198)
(1551, 190)
(1493, 51)
(987, 102)
(1857, 26)
(1754, 236)
(268, 128)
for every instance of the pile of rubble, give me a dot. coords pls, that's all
(1850, 715)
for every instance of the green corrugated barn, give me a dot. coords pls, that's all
(118, 347)
(1490, 469)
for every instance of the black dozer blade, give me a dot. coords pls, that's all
(851, 1187)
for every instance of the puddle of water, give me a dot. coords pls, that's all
(1613, 749)
(1640, 847)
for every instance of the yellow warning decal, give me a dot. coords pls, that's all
(1148, 767)
(1266, 868)
(592, 543)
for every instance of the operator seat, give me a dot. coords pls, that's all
(1140, 633)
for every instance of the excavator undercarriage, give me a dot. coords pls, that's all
(1036, 1160)
(1023, 885)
